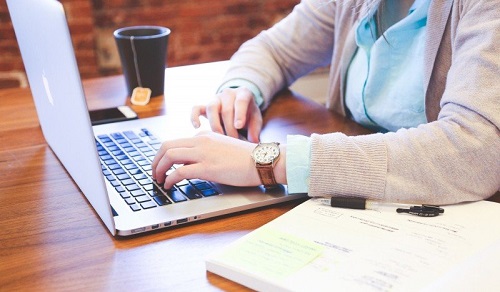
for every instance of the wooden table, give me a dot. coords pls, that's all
(52, 240)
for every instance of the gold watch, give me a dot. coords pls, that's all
(265, 156)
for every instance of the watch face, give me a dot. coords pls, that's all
(266, 153)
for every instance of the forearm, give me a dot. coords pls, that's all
(438, 163)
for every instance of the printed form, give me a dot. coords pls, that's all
(316, 248)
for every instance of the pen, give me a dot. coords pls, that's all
(362, 204)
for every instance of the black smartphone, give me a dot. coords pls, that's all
(112, 115)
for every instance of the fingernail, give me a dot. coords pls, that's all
(196, 124)
(238, 124)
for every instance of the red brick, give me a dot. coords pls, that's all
(202, 31)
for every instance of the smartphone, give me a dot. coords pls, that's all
(112, 115)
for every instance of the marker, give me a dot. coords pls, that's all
(362, 204)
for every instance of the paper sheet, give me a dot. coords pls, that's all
(315, 247)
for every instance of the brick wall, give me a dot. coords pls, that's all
(202, 31)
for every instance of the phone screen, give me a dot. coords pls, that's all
(111, 115)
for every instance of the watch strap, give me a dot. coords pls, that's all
(266, 175)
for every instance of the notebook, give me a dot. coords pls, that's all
(44, 39)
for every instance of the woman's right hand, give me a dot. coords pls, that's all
(229, 111)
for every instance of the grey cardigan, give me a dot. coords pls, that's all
(455, 157)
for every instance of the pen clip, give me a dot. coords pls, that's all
(422, 211)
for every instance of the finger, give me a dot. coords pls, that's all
(167, 145)
(244, 97)
(228, 123)
(171, 157)
(254, 128)
(213, 116)
(156, 160)
(254, 123)
(196, 112)
(189, 171)
(227, 112)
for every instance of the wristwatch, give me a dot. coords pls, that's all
(265, 156)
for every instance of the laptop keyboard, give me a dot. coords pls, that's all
(126, 163)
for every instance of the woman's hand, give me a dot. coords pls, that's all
(230, 111)
(208, 156)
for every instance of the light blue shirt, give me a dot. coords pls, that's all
(384, 89)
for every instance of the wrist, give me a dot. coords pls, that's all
(280, 167)
(238, 82)
(270, 168)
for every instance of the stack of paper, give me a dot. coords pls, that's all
(316, 248)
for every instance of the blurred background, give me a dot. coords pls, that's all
(202, 31)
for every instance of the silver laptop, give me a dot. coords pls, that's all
(110, 162)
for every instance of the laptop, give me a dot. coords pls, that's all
(110, 162)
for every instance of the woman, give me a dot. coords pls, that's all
(424, 74)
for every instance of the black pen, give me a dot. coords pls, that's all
(362, 204)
